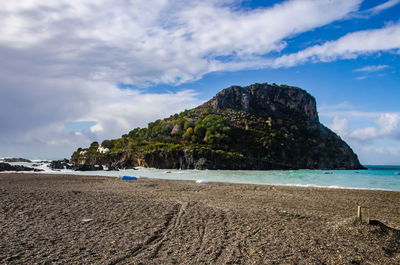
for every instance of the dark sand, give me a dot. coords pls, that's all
(180, 222)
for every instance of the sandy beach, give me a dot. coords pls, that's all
(67, 219)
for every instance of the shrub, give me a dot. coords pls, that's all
(94, 145)
(107, 144)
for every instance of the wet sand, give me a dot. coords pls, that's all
(67, 219)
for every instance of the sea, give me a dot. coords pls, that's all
(375, 177)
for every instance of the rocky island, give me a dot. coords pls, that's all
(261, 126)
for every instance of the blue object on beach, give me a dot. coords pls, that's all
(397, 173)
(129, 178)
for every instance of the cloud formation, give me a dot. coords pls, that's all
(386, 124)
(371, 68)
(379, 8)
(375, 136)
(388, 127)
(349, 46)
(36, 122)
(154, 41)
(62, 60)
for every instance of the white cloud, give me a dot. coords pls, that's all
(155, 41)
(62, 60)
(386, 125)
(368, 133)
(386, 5)
(371, 68)
(374, 136)
(135, 109)
(96, 128)
(384, 153)
(389, 123)
(331, 112)
(349, 46)
(35, 120)
(324, 108)
(340, 126)
(388, 128)
(393, 151)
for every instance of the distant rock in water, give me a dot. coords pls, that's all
(260, 126)
(8, 167)
(13, 159)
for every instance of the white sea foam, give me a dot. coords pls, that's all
(376, 178)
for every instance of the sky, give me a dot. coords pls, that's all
(73, 72)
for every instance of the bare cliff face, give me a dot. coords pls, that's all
(264, 100)
(260, 126)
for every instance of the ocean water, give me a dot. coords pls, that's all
(375, 177)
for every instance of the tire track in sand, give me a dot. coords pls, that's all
(156, 240)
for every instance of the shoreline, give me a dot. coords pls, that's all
(210, 181)
(103, 220)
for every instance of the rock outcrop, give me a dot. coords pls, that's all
(15, 159)
(261, 126)
(60, 164)
(265, 101)
(8, 167)
(66, 164)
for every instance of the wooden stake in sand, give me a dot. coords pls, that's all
(363, 214)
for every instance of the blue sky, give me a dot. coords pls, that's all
(77, 71)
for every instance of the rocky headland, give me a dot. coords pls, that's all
(261, 126)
